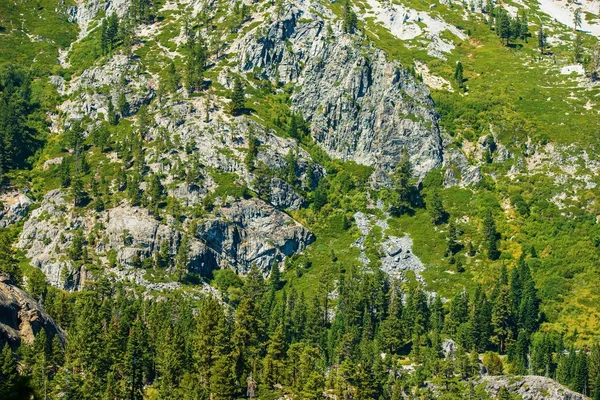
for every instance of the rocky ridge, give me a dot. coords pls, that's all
(21, 317)
(361, 106)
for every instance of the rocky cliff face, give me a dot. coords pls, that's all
(237, 235)
(15, 206)
(362, 107)
(21, 317)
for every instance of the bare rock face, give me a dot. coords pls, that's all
(235, 236)
(21, 317)
(253, 232)
(530, 387)
(283, 195)
(361, 106)
(15, 205)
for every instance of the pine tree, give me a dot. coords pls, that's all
(435, 206)
(195, 64)
(77, 190)
(172, 78)
(291, 165)
(489, 7)
(10, 375)
(576, 19)
(541, 39)
(452, 245)
(578, 48)
(112, 116)
(123, 105)
(458, 74)
(238, 101)
(515, 27)
(390, 332)
(252, 151)
(503, 25)
(211, 337)
(350, 19)
(223, 379)
(524, 29)
(8, 262)
(501, 318)
(104, 39)
(491, 235)
(100, 136)
(275, 277)
(401, 178)
(273, 363)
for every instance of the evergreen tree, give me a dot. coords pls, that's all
(11, 386)
(112, 116)
(578, 48)
(490, 235)
(172, 78)
(401, 179)
(435, 206)
(238, 101)
(541, 39)
(100, 136)
(8, 262)
(196, 64)
(503, 24)
(501, 318)
(223, 379)
(252, 151)
(458, 74)
(576, 19)
(391, 335)
(291, 165)
(123, 105)
(275, 277)
(524, 29)
(350, 18)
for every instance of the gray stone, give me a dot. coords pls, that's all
(22, 317)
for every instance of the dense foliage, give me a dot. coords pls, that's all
(376, 338)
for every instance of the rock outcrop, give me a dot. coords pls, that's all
(361, 106)
(530, 387)
(252, 232)
(15, 206)
(21, 317)
(237, 235)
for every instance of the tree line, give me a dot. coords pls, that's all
(272, 339)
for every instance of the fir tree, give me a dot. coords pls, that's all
(576, 19)
(458, 74)
(8, 262)
(435, 206)
(491, 236)
(123, 105)
(402, 189)
(275, 277)
(350, 19)
(541, 39)
(238, 101)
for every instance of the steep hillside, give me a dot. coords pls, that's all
(352, 152)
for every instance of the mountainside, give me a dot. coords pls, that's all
(308, 182)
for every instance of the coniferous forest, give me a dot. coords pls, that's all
(316, 199)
